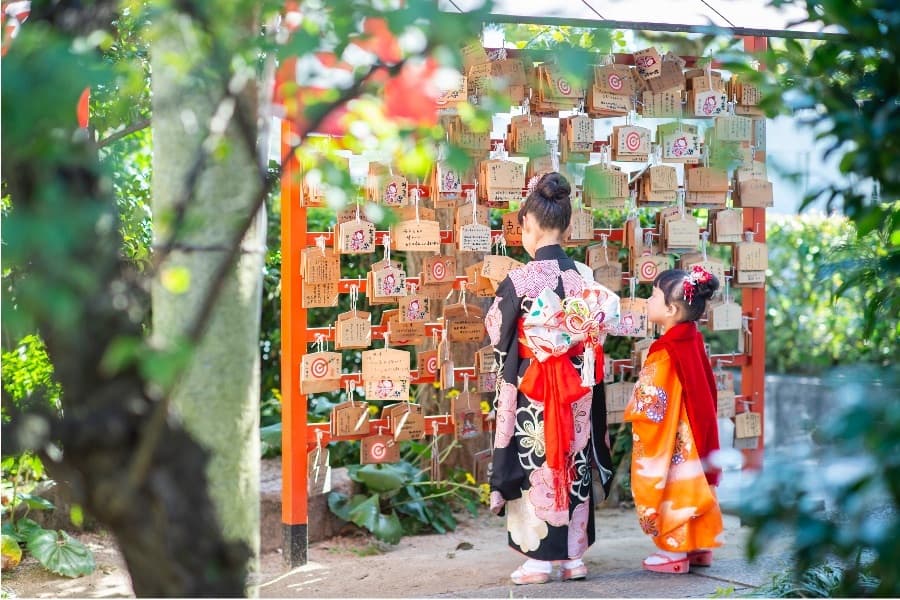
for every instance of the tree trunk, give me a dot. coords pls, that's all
(217, 396)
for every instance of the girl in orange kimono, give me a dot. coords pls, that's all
(673, 418)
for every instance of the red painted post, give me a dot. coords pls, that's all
(294, 516)
(753, 374)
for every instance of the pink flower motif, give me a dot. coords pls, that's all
(581, 412)
(497, 502)
(506, 415)
(542, 497)
(492, 322)
(578, 540)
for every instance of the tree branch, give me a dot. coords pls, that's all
(115, 137)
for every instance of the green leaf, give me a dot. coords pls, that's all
(26, 528)
(62, 554)
(76, 515)
(380, 478)
(12, 552)
(271, 434)
(36, 502)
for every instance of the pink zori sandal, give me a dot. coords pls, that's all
(670, 566)
(700, 558)
(522, 577)
(579, 572)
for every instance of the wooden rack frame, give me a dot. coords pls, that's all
(299, 436)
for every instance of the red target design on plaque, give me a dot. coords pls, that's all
(649, 270)
(632, 141)
(319, 368)
(615, 81)
(564, 86)
(431, 365)
(439, 270)
(378, 450)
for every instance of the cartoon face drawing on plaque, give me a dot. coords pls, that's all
(709, 105)
(391, 193)
(414, 311)
(358, 241)
(468, 428)
(451, 181)
(679, 146)
(645, 62)
(388, 284)
(385, 388)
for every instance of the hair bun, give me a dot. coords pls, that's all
(708, 289)
(553, 187)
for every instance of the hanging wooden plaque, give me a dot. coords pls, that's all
(378, 449)
(320, 372)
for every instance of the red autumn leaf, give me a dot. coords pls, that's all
(378, 39)
(83, 111)
(292, 100)
(411, 95)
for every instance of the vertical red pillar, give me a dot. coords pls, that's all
(753, 374)
(294, 515)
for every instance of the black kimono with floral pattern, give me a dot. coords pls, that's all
(521, 484)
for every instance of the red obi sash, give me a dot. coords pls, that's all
(557, 383)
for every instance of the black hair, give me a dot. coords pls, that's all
(549, 203)
(671, 282)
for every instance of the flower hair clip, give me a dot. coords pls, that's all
(695, 276)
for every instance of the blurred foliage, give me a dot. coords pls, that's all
(28, 374)
(840, 498)
(847, 90)
(816, 317)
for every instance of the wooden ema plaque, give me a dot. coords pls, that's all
(406, 421)
(378, 449)
(725, 316)
(439, 269)
(750, 263)
(706, 187)
(605, 187)
(355, 237)
(615, 80)
(661, 104)
(747, 425)
(466, 413)
(405, 334)
(512, 230)
(754, 193)
(319, 265)
(318, 472)
(648, 63)
(476, 284)
(630, 143)
(609, 275)
(465, 329)
(649, 266)
(496, 268)
(318, 295)
(414, 309)
(320, 372)
(602, 104)
(727, 226)
(353, 330)
(732, 128)
(681, 147)
(427, 365)
(681, 234)
(671, 78)
(486, 370)
(617, 395)
(598, 255)
(725, 395)
(632, 318)
(416, 236)
(581, 228)
(350, 421)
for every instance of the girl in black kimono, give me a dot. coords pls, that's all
(550, 427)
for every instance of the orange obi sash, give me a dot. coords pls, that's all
(557, 383)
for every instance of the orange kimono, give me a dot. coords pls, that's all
(675, 503)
